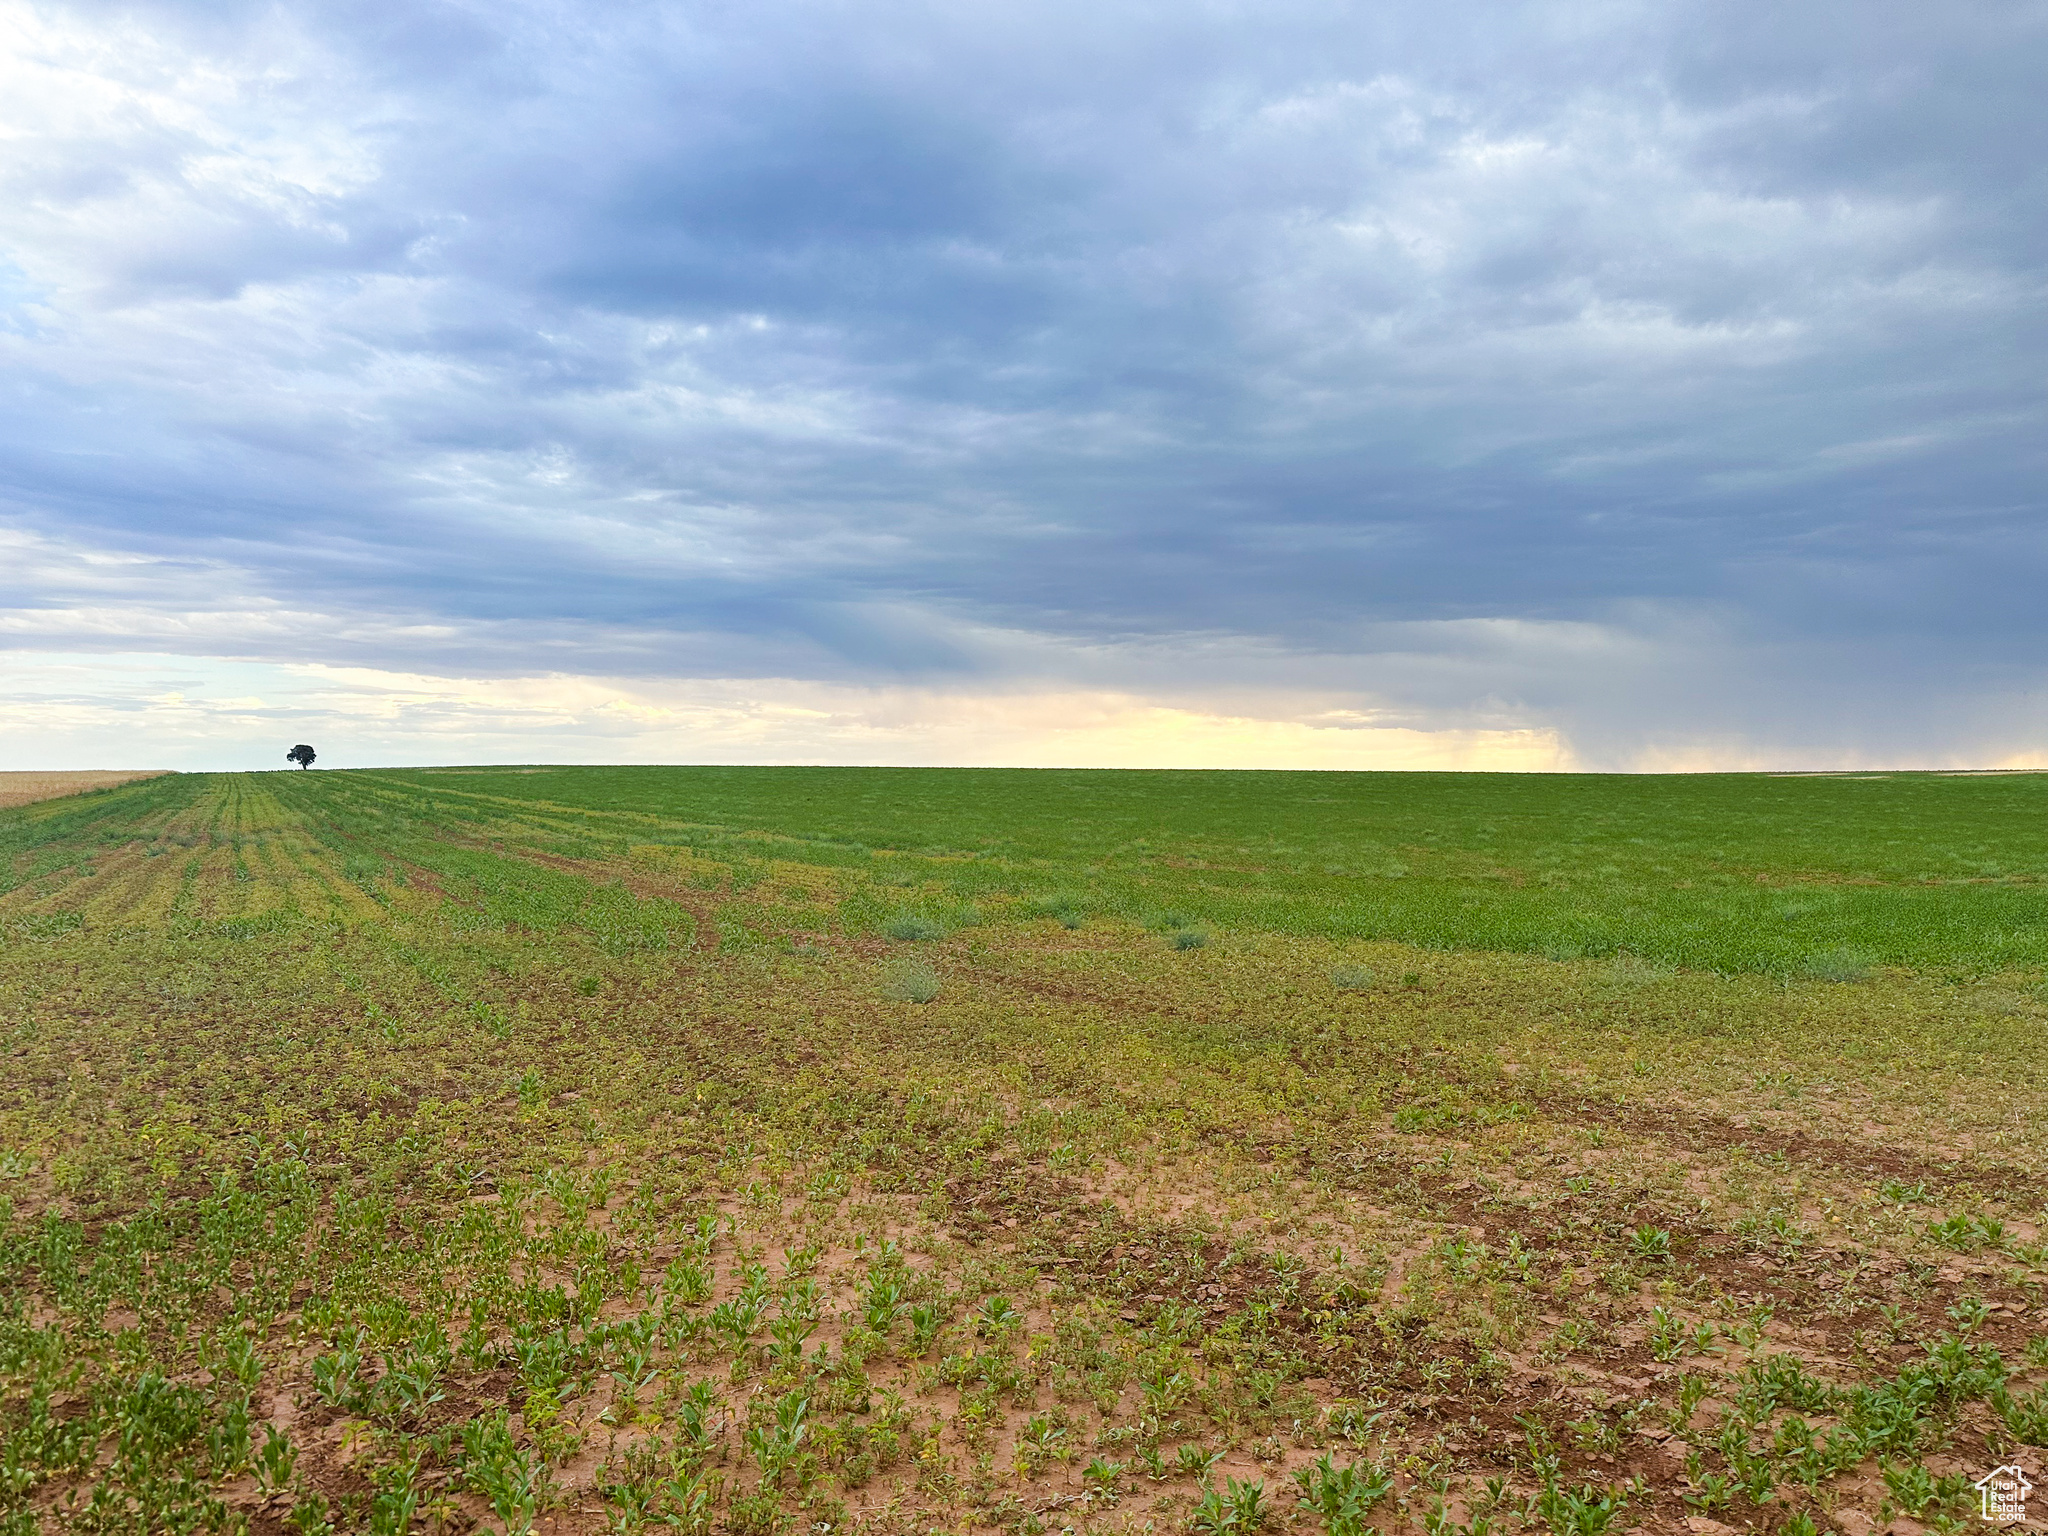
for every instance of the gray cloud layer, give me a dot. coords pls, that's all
(1652, 371)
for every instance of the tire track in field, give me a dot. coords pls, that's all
(1673, 1125)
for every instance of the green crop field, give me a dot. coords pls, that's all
(1716, 872)
(780, 1151)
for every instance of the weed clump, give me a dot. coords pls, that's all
(1350, 978)
(910, 928)
(1835, 965)
(1236, 1510)
(913, 981)
(1187, 938)
(1650, 1243)
(1069, 910)
(1628, 970)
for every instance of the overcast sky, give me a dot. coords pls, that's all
(1570, 384)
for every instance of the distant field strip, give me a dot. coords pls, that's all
(26, 788)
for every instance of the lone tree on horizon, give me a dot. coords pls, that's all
(302, 754)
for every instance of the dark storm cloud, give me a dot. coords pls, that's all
(830, 340)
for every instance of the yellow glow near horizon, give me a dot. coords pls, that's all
(794, 721)
(213, 713)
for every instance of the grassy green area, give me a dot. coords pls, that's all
(1739, 872)
(779, 1151)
